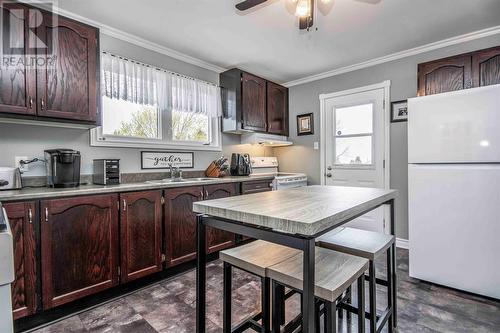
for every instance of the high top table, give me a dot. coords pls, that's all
(293, 217)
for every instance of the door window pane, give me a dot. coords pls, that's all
(354, 150)
(354, 120)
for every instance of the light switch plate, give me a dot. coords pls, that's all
(22, 167)
(316, 145)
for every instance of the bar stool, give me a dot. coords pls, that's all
(334, 272)
(254, 258)
(369, 245)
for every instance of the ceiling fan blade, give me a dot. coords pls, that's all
(248, 4)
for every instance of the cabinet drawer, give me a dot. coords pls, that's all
(256, 186)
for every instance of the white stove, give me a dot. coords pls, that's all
(282, 180)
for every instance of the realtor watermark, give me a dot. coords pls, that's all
(28, 39)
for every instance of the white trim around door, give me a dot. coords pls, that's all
(385, 85)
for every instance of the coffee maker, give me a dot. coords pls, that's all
(63, 167)
(240, 165)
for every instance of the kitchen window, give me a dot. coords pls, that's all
(353, 135)
(147, 107)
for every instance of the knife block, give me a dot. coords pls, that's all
(213, 171)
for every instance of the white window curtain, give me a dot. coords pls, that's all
(128, 80)
(142, 84)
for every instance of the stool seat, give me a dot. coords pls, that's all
(361, 243)
(256, 256)
(334, 272)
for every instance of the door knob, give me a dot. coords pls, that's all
(329, 175)
(329, 168)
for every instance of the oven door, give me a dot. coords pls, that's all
(281, 184)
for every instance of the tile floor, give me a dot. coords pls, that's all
(169, 306)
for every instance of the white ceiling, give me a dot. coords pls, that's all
(266, 41)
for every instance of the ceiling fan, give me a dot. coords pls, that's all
(304, 10)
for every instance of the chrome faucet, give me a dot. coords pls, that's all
(175, 173)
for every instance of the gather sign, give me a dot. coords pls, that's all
(165, 159)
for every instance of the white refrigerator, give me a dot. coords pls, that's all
(454, 189)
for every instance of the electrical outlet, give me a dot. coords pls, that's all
(316, 145)
(22, 167)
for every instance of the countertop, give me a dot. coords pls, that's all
(303, 210)
(45, 192)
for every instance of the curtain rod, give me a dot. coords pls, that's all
(159, 68)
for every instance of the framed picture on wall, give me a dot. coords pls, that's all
(305, 124)
(399, 111)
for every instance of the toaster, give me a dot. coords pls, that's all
(10, 179)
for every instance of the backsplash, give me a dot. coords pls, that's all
(31, 141)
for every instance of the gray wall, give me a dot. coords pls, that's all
(403, 75)
(31, 141)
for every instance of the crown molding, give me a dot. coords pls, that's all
(399, 55)
(131, 38)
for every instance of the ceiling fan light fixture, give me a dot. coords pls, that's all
(303, 8)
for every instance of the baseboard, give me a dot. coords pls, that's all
(402, 243)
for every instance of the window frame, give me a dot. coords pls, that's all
(99, 139)
(357, 135)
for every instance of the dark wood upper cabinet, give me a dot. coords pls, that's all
(22, 217)
(470, 70)
(218, 239)
(79, 241)
(253, 102)
(67, 83)
(140, 228)
(486, 67)
(54, 69)
(277, 109)
(180, 223)
(445, 75)
(17, 76)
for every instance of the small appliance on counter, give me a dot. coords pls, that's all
(63, 167)
(282, 180)
(10, 179)
(240, 165)
(106, 172)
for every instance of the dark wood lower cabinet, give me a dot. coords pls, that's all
(256, 186)
(23, 217)
(218, 239)
(140, 234)
(92, 243)
(79, 239)
(180, 223)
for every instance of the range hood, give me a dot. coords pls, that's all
(266, 140)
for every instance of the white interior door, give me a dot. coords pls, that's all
(354, 146)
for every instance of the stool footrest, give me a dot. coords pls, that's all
(380, 281)
(251, 322)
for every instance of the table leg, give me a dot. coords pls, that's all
(308, 288)
(394, 270)
(201, 278)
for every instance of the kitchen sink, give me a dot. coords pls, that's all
(179, 180)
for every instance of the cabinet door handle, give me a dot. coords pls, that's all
(202, 195)
(124, 205)
(46, 214)
(206, 194)
(42, 104)
(30, 216)
(31, 102)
